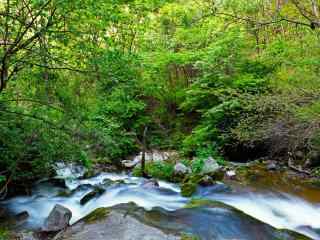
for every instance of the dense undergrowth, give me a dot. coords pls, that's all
(166, 74)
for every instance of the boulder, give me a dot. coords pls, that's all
(115, 225)
(210, 167)
(21, 217)
(151, 156)
(96, 192)
(181, 170)
(58, 219)
(150, 183)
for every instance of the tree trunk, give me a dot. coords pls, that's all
(315, 9)
(144, 149)
(4, 75)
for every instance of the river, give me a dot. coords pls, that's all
(281, 210)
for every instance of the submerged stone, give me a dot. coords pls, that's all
(98, 191)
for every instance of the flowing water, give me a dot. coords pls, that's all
(280, 210)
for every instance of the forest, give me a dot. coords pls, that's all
(95, 82)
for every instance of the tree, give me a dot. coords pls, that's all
(23, 25)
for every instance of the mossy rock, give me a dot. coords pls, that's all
(96, 215)
(188, 188)
(65, 193)
(313, 182)
(96, 192)
(90, 173)
(186, 236)
(200, 202)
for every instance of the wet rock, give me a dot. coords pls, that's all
(90, 173)
(181, 170)
(95, 193)
(208, 191)
(271, 166)
(68, 192)
(188, 188)
(231, 174)
(210, 167)
(150, 183)
(206, 181)
(115, 225)
(130, 163)
(96, 215)
(21, 217)
(57, 182)
(58, 219)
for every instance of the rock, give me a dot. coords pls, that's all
(151, 156)
(150, 184)
(96, 215)
(271, 166)
(201, 217)
(90, 173)
(3, 213)
(188, 189)
(58, 219)
(231, 174)
(129, 163)
(313, 159)
(25, 236)
(115, 225)
(58, 182)
(96, 192)
(206, 181)
(21, 217)
(210, 167)
(217, 187)
(299, 154)
(181, 170)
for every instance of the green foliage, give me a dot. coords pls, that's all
(159, 170)
(85, 87)
(4, 234)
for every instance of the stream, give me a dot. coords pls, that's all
(278, 209)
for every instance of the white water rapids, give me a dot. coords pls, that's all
(278, 210)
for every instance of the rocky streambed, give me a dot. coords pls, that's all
(118, 206)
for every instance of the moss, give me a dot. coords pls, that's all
(159, 170)
(65, 193)
(96, 215)
(199, 202)
(89, 173)
(313, 182)
(185, 236)
(188, 188)
(4, 234)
